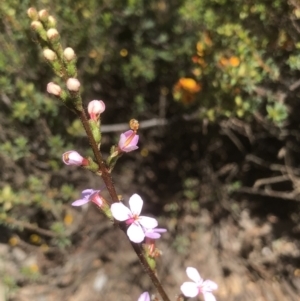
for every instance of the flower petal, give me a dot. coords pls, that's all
(152, 235)
(130, 148)
(189, 289)
(80, 202)
(209, 297)
(135, 140)
(144, 297)
(120, 212)
(209, 286)
(122, 140)
(135, 233)
(194, 275)
(87, 192)
(148, 222)
(136, 204)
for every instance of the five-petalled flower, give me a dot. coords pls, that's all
(192, 289)
(89, 195)
(138, 224)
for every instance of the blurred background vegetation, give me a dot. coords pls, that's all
(210, 68)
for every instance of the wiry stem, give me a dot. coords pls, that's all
(106, 176)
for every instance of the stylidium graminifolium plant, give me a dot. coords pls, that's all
(141, 230)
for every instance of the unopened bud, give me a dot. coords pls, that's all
(73, 84)
(69, 54)
(36, 25)
(52, 34)
(95, 108)
(54, 89)
(43, 15)
(74, 158)
(51, 21)
(49, 55)
(32, 13)
(134, 124)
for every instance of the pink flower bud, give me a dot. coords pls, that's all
(95, 108)
(54, 89)
(73, 84)
(49, 55)
(32, 13)
(69, 54)
(52, 33)
(52, 21)
(128, 141)
(43, 15)
(36, 25)
(74, 158)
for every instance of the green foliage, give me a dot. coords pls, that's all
(128, 51)
(16, 149)
(239, 50)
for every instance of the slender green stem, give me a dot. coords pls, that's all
(106, 176)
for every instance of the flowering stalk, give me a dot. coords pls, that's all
(50, 39)
(106, 176)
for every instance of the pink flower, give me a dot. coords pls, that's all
(192, 289)
(128, 141)
(144, 297)
(154, 233)
(74, 158)
(89, 195)
(132, 217)
(95, 108)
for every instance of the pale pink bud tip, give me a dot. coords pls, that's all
(43, 15)
(52, 21)
(73, 158)
(49, 55)
(52, 33)
(54, 89)
(36, 25)
(73, 84)
(95, 108)
(32, 13)
(69, 54)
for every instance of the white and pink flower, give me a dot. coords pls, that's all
(137, 223)
(199, 286)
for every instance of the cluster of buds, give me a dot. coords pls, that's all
(62, 61)
(128, 140)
